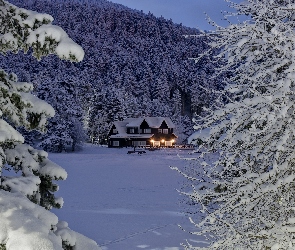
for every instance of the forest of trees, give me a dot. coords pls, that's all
(241, 183)
(135, 65)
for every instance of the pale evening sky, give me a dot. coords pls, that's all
(188, 12)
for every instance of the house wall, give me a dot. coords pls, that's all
(166, 137)
(122, 142)
(163, 125)
(141, 142)
(144, 125)
(135, 129)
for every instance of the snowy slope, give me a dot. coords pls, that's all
(123, 202)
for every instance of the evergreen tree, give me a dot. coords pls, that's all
(65, 129)
(246, 195)
(94, 119)
(27, 195)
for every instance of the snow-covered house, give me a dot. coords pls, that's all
(146, 131)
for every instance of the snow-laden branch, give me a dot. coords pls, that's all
(22, 29)
(28, 192)
(247, 193)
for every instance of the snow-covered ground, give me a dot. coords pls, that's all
(122, 201)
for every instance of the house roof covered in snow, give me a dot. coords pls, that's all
(153, 122)
(121, 127)
(135, 122)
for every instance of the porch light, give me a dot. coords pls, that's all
(163, 140)
(152, 141)
(172, 140)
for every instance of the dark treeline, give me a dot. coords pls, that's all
(135, 65)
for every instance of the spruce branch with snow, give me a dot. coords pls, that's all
(28, 194)
(246, 196)
(22, 29)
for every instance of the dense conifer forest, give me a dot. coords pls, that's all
(135, 65)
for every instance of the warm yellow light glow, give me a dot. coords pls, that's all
(152, 141)
(172, 140)
(163, 140)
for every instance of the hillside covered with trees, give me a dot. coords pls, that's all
(135, 65)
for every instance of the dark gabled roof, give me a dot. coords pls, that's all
(153, 122)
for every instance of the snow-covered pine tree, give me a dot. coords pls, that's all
(65, 130)
(95, 118)
(246, 195)
(26, 196)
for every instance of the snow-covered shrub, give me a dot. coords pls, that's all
(246, 196)
(27, 192)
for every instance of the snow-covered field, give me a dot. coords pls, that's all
(122, 201)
